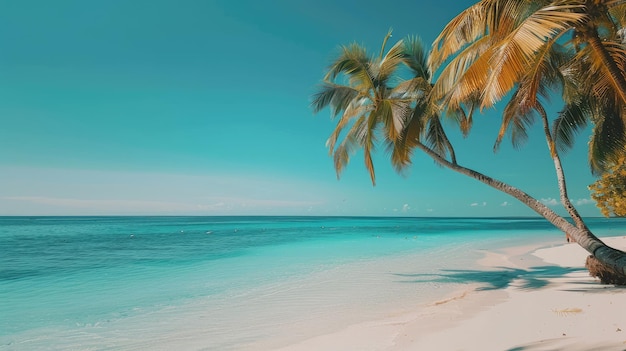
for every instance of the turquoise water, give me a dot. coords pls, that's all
(220, 283)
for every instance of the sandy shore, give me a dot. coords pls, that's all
(525, 299)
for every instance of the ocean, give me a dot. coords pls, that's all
(228, 283)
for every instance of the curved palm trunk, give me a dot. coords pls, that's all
(609, 259)
(560, 175)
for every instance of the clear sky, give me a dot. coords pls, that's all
(202, 108)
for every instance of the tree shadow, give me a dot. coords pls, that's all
(552, 344)
(495, 279)
(596, 287)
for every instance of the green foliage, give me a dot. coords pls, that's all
(609, 191)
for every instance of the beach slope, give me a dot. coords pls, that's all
(525, 299)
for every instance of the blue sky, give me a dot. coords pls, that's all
(202, 108)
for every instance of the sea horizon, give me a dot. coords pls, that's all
(296, 216)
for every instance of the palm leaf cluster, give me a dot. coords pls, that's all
(526, 50)
(372, 103)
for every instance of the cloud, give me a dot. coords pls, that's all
(475, 204)
(578, 202)
(406, 207)
(504, 204)
(549, 201)
(582, 202)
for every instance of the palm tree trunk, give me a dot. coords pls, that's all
(560, 175)
(611, 263)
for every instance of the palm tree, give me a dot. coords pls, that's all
(543, 77)
(494, 43)
(360, 97)
(498, 46)
(371, 107)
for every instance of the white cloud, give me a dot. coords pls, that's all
(549, 201)
(406, 207)
(582, 202)
(475, 204)
(504, 204)
(578, 202)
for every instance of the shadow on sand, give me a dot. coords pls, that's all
(495, 279)
(553, 345)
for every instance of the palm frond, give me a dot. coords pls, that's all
(402, 148)
(465, 28)
(368, 141)
(411, 90)
(464, 120)
(542, 76)
(416, 57)
(369, 164)
(436, 137)
(493, 18)
(354, 110)
(382, 47)
(384, 113)
(610, 81)
(536, 84)
(389, 63)
(608, 140)
(401, 113)
(517, 117)
(504, 16)
(463, 113)
(571, 121)
(515, 53)
(351, 142)
(356, 65)
(342, 154)
(464, 75)
(338, 97)
(618, 12)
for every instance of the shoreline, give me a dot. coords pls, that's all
(525, 298)
(354, 285)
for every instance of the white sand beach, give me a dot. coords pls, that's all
(527, 298)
